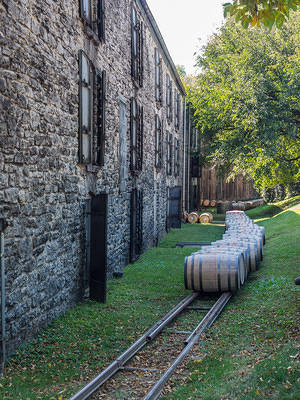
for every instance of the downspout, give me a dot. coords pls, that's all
(184, 156)
(188, 165)
(3, 225)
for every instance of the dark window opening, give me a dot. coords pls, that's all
(92, 12)
(136, 136)
(169, 99)
(136, 48)
(158, 77)
(169, 154)
(176, 157)
(158, 142)
(177, 110)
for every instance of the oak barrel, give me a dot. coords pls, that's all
(228, 251)
(205, 218)
(213, 273)
(252, 248)
(193, 217)
(206, 203)
(213, 203)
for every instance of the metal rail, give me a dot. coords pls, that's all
(115, 366)
(118, 364)
(206, 322)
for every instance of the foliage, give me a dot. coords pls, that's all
(181, 70)
(247, 103)
(255, 12)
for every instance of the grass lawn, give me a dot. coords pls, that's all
(251, 351)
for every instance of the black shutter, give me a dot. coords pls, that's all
(140, 138)
(101, 20)
(133, 134)
(98, 253)
(174, 200)
(101, 87)
(136, 224)
(141, 55)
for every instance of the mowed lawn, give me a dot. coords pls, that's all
(251, 351)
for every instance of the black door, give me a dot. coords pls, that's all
(98, 262)
(174, 206)
(136, 224)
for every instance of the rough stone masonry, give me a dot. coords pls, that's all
(44, 189)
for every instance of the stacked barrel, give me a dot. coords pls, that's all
(224, 265)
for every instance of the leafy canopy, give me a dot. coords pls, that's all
(247, 102)
(255, 12)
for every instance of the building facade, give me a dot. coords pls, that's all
(91, 150)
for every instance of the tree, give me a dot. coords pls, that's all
(247, 102)
(255, 12)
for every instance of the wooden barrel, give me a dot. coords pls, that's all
(223, 207)
(239, 206)
(252, 236)
(213, 272)
(228, 251)
(205, 218)
(252, 248)
(213, 203)
(223, 245)
(206, 203)
(193, 217)
(200, 203)
(185, 215)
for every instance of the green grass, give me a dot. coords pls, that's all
(193, 233)
(248, 354)
(252, 352)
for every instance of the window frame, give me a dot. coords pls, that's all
(169, 98)
(158, 77)
(169, 154)
(95, 131)
(158, 142)
(136, 140)
(137, 48)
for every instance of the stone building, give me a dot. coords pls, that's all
(91, 150)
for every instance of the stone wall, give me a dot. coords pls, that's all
(43, 188)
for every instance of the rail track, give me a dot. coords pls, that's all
(147, 374)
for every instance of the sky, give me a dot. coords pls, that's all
(186, 25)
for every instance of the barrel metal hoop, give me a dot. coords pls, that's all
(229, 273)
(192, 273)
(200, 273)
(237, 277)
(185, 272)
(219, 272)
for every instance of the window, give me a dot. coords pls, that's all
(136, 136)
(136, 48)
(86, 114)
(92, 12)
(86, 10)
(158, 142)
(169, 98)
(176, 157)
(177, 110)
(91, 112)
(158, 77)
(101, 85)
(169, 154)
